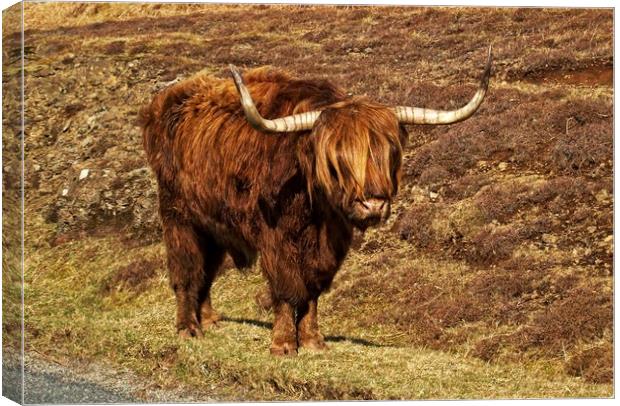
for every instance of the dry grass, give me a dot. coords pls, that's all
(11, 198)
(492, 279)
(136, 330)
(49, 15)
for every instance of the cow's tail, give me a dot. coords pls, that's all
(159, 121)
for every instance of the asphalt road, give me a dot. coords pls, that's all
(50, 381)
(56, 387)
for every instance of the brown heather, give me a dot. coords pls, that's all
(594, 364)
(133, 277)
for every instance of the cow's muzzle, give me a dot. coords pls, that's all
(370, 212)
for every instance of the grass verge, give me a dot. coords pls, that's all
(78, 307)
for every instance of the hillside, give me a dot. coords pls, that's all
(492, 279)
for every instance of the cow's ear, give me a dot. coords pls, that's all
(403, 136)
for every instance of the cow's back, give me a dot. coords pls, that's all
(209, 160)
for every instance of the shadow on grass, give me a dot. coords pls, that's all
(333, 339)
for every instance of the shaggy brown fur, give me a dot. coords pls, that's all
(226, 187)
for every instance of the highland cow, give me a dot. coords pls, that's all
(291, 188)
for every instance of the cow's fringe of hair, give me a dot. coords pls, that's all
(348, 136)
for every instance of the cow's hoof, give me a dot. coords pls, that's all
(191, 332)
(286, 349)
(207, 324)
(210, 321)
(314, 344)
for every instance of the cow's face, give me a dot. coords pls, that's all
(357, 159)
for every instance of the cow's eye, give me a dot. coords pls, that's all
(332, 171)
(394, 155)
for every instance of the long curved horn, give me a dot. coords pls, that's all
(417, 115)
(296, 122)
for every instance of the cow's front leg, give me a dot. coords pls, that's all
(308, 334)
(284, 340)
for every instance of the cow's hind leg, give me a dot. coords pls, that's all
(187, 276)
(308, 334)
(213, 256)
